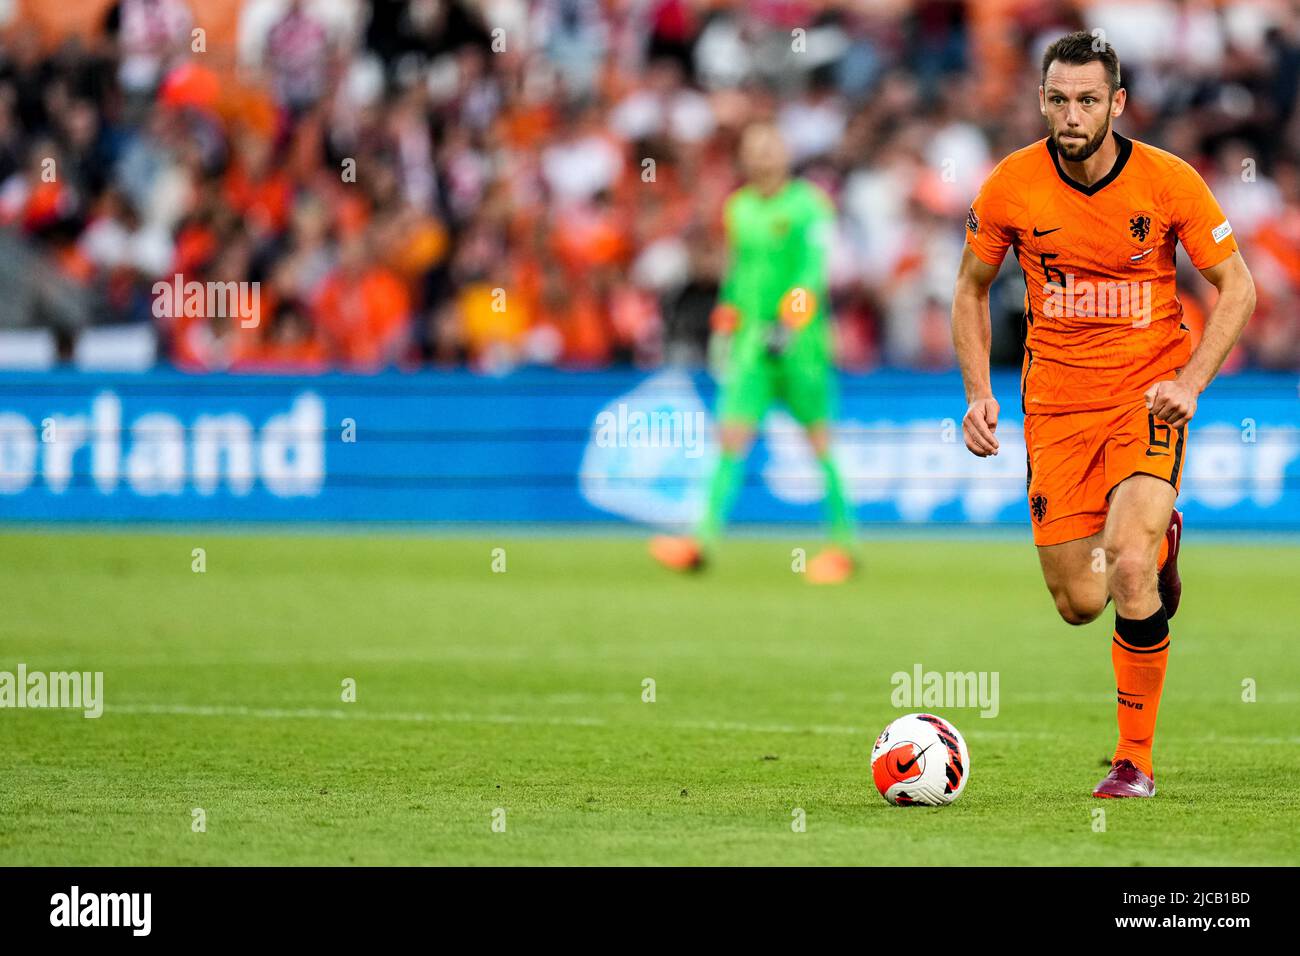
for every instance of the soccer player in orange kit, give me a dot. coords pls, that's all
(1109, 380)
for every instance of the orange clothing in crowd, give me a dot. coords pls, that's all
(365, 317)
(196, 245)
(200, 345)
(488, 318)
(585, 238)
(298, 355)
(585, 332)
(265, 201)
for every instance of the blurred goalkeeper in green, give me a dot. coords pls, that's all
(773, 307)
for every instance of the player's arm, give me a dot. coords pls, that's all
(972, 336)
(725, 316)
(1207, 238)
(1175, 401)
(816, 229)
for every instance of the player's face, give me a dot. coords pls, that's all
(763, 155)
(1078, 104)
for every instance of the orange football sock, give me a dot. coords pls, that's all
(1139, 653)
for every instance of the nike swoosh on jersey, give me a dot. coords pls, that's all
(1038, 234)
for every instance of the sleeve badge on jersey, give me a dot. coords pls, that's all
(1221, 231)
(972, 222)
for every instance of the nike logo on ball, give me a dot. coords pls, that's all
(904, 767)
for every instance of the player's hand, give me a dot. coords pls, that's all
(797, 308)
(724, 319)
(978, 426)
(1173, 402)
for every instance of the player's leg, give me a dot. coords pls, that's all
(742, 402)
(745, 398)
(1075, 574)
(808, 390)
(735, 437)
(690, 552)
(1135, 530)
(836, 562)
(1169, 583)
(1067, 488)
(1144, 460)
(1139, 517)
(839, 512)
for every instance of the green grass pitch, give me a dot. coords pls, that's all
(478, 690)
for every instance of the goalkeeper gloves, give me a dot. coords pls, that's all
(797, 308)
(724, 318)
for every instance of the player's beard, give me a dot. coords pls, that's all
(1071, 150)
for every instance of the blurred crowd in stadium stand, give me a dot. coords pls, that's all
(541, 182)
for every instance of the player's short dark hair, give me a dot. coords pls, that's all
(1080, 48)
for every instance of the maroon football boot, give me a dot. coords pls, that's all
(1125, 780)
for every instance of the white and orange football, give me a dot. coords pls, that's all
(920, 759)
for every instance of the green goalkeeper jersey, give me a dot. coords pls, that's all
(776, 244)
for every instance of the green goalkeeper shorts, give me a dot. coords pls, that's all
(755, 379)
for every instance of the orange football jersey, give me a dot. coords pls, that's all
(1103, 320)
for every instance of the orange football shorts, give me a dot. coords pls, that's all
(1075, 460)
